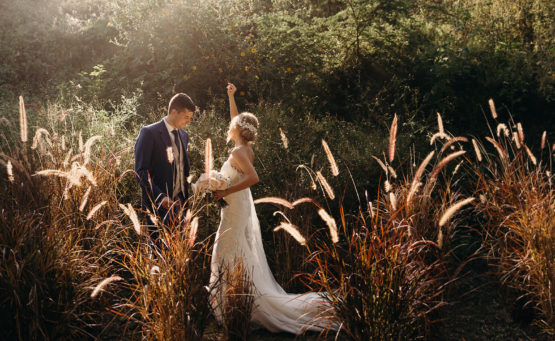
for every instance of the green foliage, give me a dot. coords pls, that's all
(355, 59)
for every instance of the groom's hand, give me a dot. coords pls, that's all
(166, 203)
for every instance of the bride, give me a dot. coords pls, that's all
(239, 240)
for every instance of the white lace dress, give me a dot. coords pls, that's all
(239, 237)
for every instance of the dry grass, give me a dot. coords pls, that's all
(237, 302)
(167, 278)
(518, 208)
(384, 267)
(56, 255)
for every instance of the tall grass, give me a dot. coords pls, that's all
(77, 263)
(236, 302)
(385, 268)
(53, 253)
(518, 211)
(167, 280)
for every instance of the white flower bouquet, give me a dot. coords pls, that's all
(215, 181)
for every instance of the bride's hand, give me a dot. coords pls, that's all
(219, 195)
(231, 89)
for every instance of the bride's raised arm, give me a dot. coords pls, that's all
(231, 94)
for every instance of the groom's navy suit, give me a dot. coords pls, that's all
(153, 166)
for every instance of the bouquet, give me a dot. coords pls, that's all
(215, 181)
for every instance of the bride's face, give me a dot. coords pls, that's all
(233, 134)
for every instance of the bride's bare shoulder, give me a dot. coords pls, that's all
(242, 153)
(245, 150)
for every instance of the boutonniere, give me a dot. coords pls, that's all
(169, 152)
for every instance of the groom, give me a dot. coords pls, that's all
(162, 160)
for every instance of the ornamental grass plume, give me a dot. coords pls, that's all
(392, 172)
(22, 120)
(439, 136)
(516, 139)
(328, 219)
(416, 179)
(193, 230)
(492, 108)
(208, 159)
(331, 159)
(451, 141)
(502, 153)
(9, 171)
(520, 132)
(100, 287)
(441, 130)
(393, 201)
(325, 185)
(544, 135)
(392, 139)
(64, 114)
(477, 150)
(87, 148)
(381, 164)
(303, 200)
(274, 200)
(284, 139)
(530, 155)
(80, 140)
(502, 129)
(36, 138)
(74, 179)
(443, 163)
(387, 186)
(453, 209)
(130, 212)
(95, 209)
(292, 230)
(85, 199)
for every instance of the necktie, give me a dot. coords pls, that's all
(177, 163)
(177, 141)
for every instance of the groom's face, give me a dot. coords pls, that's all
(182, 118)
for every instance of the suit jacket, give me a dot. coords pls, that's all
(154, 171)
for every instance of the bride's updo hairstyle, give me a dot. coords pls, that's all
(247, 125)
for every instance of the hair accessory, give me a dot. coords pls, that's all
(246, 125)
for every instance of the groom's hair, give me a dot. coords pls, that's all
(180, 102)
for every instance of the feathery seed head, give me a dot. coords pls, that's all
(331, 159)
(492, 108)
(292, 230)
(325, 184)
(104, 283)
(284, 139)
(331, 224)
(22, 120)
(477, 150)
(453, 209)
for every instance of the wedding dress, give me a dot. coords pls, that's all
(239, 238)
